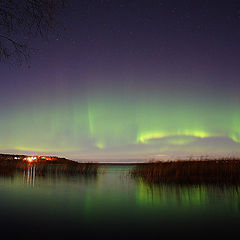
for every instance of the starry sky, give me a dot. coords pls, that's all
(127, 80)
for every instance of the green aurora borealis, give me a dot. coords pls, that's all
(129, 80)
(122, 124)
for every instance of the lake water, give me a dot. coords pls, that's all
(113, 205)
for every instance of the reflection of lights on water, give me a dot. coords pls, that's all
(29, 175)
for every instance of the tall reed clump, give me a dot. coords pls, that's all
(216, 171)
(6, 168)
(9, 167)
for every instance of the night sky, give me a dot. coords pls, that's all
(129, 79)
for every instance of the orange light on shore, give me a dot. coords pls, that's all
(30, 159)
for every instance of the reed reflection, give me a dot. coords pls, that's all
(35, 174)
(173, 195)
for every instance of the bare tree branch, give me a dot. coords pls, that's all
(21, 20)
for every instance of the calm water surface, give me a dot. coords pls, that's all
(113, 205)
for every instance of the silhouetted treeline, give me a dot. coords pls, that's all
(11, 156)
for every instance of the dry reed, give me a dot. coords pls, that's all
(9, 167)
(215, 171)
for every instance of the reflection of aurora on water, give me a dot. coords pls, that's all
(114, 200)
(188, 196)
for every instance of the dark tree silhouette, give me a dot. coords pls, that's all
(21, 20)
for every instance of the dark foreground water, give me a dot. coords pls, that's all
(113, 205)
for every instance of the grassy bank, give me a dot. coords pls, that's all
(62, 166)
(215, 171)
